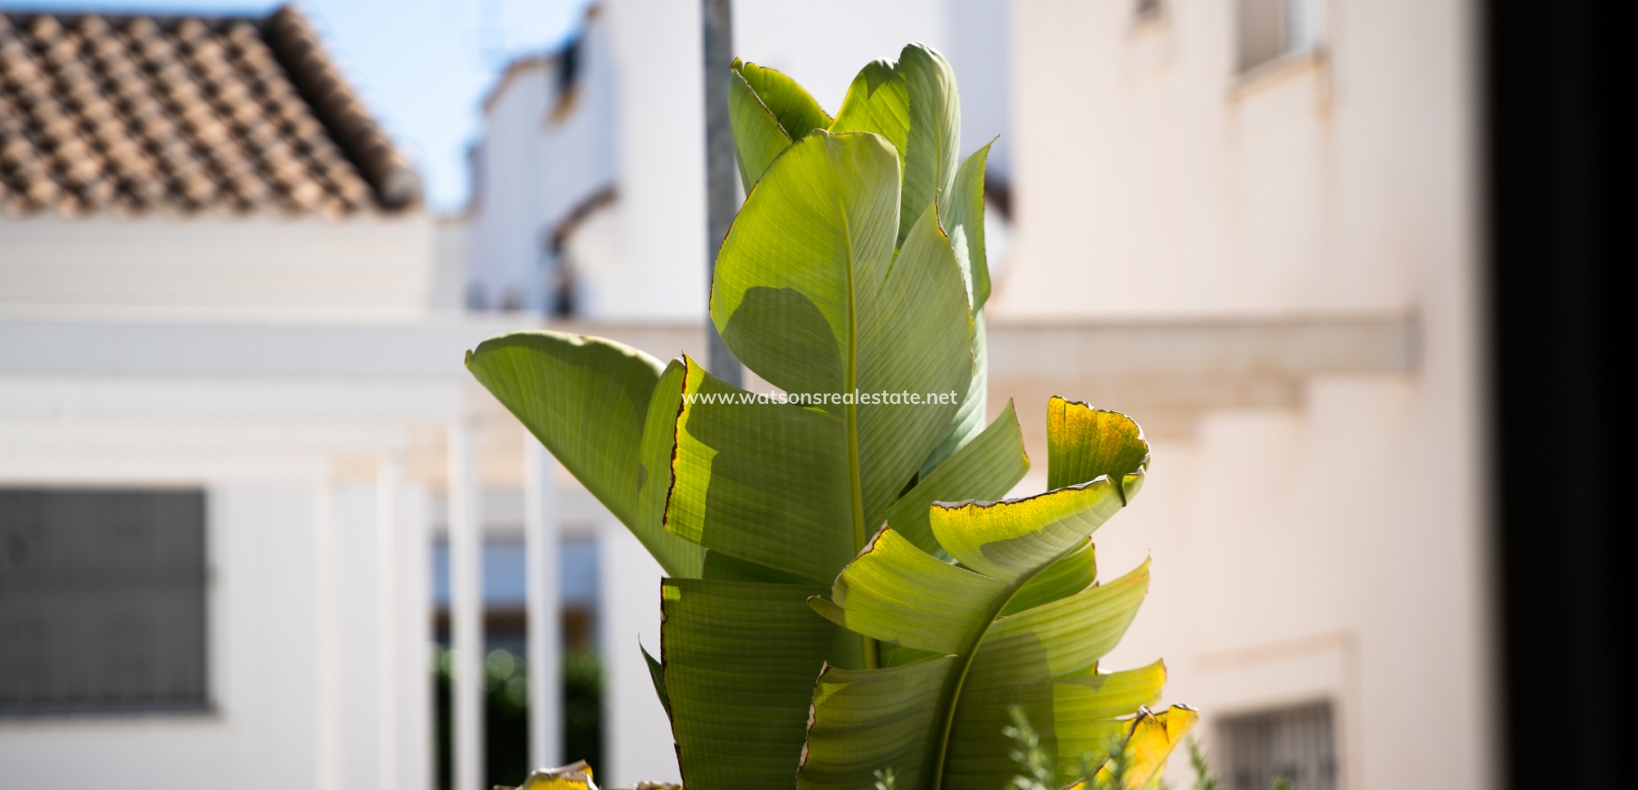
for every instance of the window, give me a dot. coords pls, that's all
(1294, 743)
(1272, 28)
(102, 600)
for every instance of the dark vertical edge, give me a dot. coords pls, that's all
(720, 177)
(1551, 100)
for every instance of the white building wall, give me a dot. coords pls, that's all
(261, 672)
(547, 148)
(264, 662)
(507, 211)
(1332, 548)
(262, 422)
(364, 266)
(660, 139)
(580, 155)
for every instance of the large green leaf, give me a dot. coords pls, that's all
(810, 294)
(588, 401)
(914, 337)
(1016, 619)
(815, 234)
(739, 660)
(863, 721)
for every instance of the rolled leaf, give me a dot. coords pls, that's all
(935, 129)
(962, 208)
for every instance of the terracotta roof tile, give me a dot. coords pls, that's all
(134, 113)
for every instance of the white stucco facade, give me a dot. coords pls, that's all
(1328, 543)
(295, 372)
(267, 265)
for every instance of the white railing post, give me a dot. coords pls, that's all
(326, 639)
(389, 521)
(466, 609)
(541, 544)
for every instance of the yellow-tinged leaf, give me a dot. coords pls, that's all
(574, 776)
(1154, 735)
(1084, 443)
(1150, 742)
(1017, 537)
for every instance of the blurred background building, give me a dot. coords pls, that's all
(246, 487)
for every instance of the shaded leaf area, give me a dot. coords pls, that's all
(739, 660)
(1016, 620)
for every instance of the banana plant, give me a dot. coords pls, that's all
(845, 593)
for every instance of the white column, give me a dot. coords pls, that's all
(540, 544)
(637, 742)
(326, 641)
(389, 521)
(418, 701)
(466, 608)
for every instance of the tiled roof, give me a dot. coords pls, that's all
(133, 113)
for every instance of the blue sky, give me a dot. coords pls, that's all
(421, 65)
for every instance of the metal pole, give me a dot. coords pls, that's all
(719, 164)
